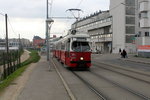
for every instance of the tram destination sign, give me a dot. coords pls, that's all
(81, 39)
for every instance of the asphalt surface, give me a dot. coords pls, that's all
(138, 63)
(43, 84)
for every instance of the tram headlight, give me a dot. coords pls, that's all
(81, 58)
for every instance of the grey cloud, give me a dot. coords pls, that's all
(23, 8)
(37, 8)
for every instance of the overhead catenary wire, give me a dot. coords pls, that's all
(2, 29)
(115, 6)
(50, 3)
(12, 27)
(2, 14)
(79, 4)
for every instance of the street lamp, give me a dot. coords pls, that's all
(49, 23)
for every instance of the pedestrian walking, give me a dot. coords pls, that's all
(120, 51)
(124, 53)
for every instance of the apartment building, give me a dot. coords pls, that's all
(99, 26)
(143, 37)
(124, 26)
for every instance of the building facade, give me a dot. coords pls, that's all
(99, 27)
(38, 42)
(14, 43)
(19, 42)
(124, 26)
(143, 37)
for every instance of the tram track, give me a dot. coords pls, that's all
(68, 88)
(104, 96)
(97, 92)
(142, 96)
(100, 93)
(124, 71)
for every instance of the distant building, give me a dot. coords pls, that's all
(38, 42)
(22, 42)
(14, 43)
(2, 43)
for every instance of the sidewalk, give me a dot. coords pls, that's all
(36, 83)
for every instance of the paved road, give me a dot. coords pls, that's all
(138, 63)
(38, 83)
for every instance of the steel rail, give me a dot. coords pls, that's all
(99, 94)
(136, 78)
(123, 68)
(123, 87)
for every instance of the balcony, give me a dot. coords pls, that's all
(144, 23)
(143, 6)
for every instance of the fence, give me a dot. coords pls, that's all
(9, 62)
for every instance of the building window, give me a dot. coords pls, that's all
(130, 2)
(144, 14)
(130, 20)
(130, 29)
(139, 15)
(130, 11)
(147, 34)
(130, 38)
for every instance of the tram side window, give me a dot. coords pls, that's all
(62, 46)
(68, 46)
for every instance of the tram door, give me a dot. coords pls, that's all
(67, 55)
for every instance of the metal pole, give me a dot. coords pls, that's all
(7, 47)
(19, 49)
(47, 41)
(46, 9)
(47, 38)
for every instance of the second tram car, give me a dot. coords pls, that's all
(73, 50)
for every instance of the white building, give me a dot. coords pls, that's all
(14, 43)
(99, 27)
(118, 27)
(143, 39)
(124, 24)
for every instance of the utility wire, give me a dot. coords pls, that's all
(50, 3)
(2, 14)
(79, 4)
(11, 27)
(115, 6)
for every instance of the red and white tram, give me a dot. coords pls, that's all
(73, 50)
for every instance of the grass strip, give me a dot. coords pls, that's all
(34, 57)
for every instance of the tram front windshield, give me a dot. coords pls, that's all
(80, 46)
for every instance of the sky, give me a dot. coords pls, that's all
(27, 17)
